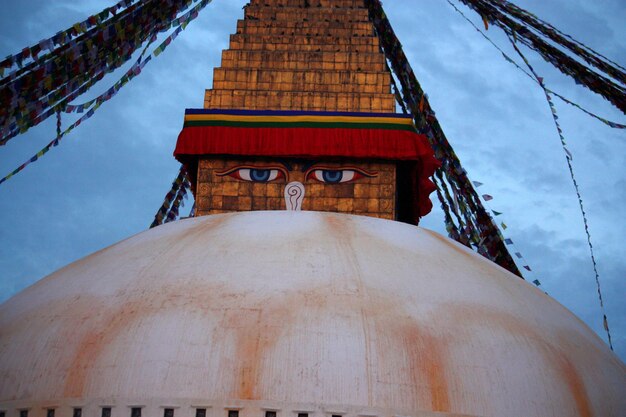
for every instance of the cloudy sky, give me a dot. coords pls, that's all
(107, 179)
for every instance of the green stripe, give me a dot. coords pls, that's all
(347, 125)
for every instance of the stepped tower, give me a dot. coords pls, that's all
(320, 61)
(319, 55)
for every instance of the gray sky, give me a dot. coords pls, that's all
(107, 179)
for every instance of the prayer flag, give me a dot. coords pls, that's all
(569, 155)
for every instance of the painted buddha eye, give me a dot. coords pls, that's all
(258, 175)
(254, 174)
(334, 176)
(337, 176)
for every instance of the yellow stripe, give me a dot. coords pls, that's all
(277, 119)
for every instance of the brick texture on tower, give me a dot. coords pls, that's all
(303, 55)
(308, 55)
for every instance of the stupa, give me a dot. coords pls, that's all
(303, 288)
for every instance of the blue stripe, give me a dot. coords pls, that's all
(235, 112)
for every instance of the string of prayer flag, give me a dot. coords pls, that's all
(509, 241)
(169, 209)
(91, 106)
(585, 66)
(62, 37)
(76, 59)
(511, 61)
(568, 159)
(477, 228)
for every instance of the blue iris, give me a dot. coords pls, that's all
(260, 175)
(332, 176)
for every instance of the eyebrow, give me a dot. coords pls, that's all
(307, 165)
(287, 165)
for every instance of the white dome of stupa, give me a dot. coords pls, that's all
(298, 312)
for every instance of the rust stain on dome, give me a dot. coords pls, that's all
(575, 384)
(401, 338)
(554, 356)
(255, 338)
(113, 322)
(427, 358)
(425, 353)
(93, 343)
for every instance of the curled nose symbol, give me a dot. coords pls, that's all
(294, 195)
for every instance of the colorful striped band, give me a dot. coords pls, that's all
(297, 119)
